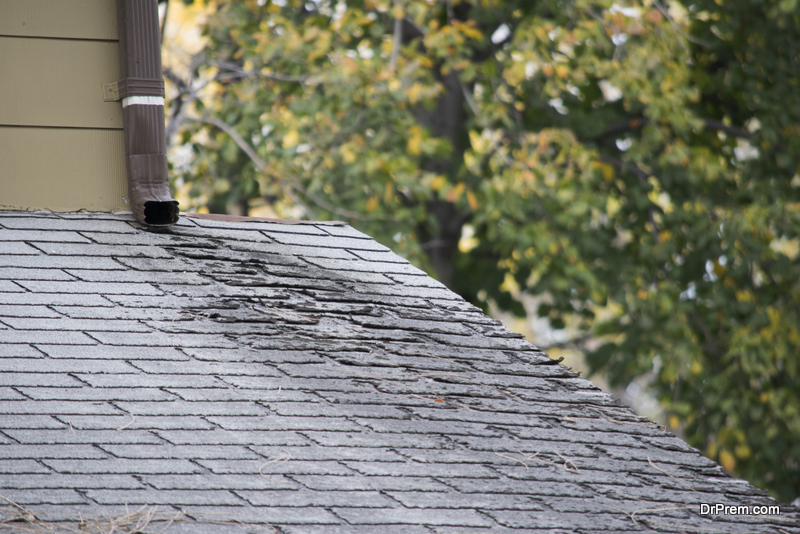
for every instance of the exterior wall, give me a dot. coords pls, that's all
(61, 145)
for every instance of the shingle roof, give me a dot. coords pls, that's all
(249, 376)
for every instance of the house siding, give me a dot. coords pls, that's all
(61, 144)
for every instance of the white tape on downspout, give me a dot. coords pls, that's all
(142, 101)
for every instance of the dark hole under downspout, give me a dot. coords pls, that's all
(141, 89)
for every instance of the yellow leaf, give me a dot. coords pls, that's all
(608, 171)
(438, 183)
(674, 421)
(509, 284)
(742, 451)
(397, 11)
(348, 154)
(562, 71)
(696, 368)
(455, 193)
(612, 206)
(653, 16)
(414, 145)
(472, 33)
(372, 204)
(414, 92)
(473, 201)
(727, 460)
(478, 143)
(291, 139)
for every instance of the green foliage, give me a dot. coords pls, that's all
(637, 165)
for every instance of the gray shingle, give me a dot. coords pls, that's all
(122, 465)
(347, 243)
(160, 339)
(304, 228)
(12, 273)
(35, 406)
(159, 496)
(84, 393)
(128, 276)
(67, 324)
(71, 287)
(37, 379)
(45, 451)
(103, 352)
(421, 499)
(179, 452)
(49, 365)
(77, 481)
(22, 467)
(39, 236)
(366, 483)
(8, 286)
(264, 514)
(133, 422)
(10, 310)
(93, 249)
(251, 481)
(221, 437)
(207, 368)
(13, 249)
(37, 260)
(54, 299)
(462, 518)
(27, 497)
(307, 378)
(325, 499)
(141, 380)
(61, 224)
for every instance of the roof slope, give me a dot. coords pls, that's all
(303, 378)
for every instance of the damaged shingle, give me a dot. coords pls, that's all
(249, 376)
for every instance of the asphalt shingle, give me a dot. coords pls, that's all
(303, 378)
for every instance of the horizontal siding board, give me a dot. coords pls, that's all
(62, 169)
(57, 82)
(70, 19)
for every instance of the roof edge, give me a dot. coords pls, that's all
(242, 218)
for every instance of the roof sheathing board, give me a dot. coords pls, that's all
(232, 372)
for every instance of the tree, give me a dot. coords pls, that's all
(636, 167)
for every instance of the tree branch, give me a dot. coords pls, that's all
(397, 41)
(731, 130)
(642, 176)
(289, 184)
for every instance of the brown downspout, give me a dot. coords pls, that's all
(141, 89)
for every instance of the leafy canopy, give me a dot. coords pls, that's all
(633, 162)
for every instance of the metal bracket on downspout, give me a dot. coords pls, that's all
(141, 90)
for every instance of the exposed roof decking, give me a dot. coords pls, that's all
(306, 378)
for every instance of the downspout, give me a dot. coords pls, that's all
(141, 89)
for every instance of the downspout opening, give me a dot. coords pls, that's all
(158, 213)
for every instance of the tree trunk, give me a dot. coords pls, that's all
(440, 235)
